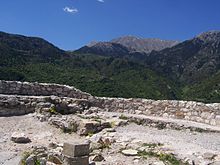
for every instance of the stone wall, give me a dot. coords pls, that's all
(14, 105)
(40, 89)
(188, 110)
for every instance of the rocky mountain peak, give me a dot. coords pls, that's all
(144, 44)
(210, 36)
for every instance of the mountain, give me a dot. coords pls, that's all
(190, 61)
(17, 51)
(126, 46)
(106, 49)
(189, 70)
(28, 46)
(195, 64)
(145, 45)
(34, 59)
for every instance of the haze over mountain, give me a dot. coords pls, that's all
(189, 70)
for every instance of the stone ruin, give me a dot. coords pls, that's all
(75, 111)
(18, 98)
(76, 154)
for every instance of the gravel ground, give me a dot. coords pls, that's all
(185, 144)
(40, 133)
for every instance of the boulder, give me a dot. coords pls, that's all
(20, 138)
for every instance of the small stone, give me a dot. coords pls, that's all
(54, 159)
(20, 138)
(43, 161)
(158, 163)
(52, 145)
(130, 152)
(92, 163)
(136, 160)
(209, 155)
(31, 160)
(110, 130)
(215, 163)
(50, 163)
(217, 158)
(97, 158)
(137, 157)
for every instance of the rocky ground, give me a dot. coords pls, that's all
(129, 139)
(40, 133)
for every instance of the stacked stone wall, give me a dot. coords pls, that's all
(187, 110)
(40, 89)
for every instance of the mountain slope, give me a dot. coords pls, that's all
(189, 70)
(191, 61)
(26, 46)
(126, 46)
(34, 59)
(105, 49)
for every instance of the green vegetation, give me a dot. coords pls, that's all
(169, 159)
(152, 145)
(205, 91)
(99, 76)
(53, 110)
(153, 77)
(25, 155)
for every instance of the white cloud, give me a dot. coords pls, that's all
(102, 1)
(70, 10)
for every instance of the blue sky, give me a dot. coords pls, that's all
(70, 24)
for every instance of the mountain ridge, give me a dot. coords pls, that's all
(145, 45)
(178, 72)
(131, 43)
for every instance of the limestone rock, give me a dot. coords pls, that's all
(209, 155)
(97, 158)
(31, 160)
(88, 126)
(130, 152)
(54, 159)
(75, 150)
(84, 160)
(158, 163)
(20, 138)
